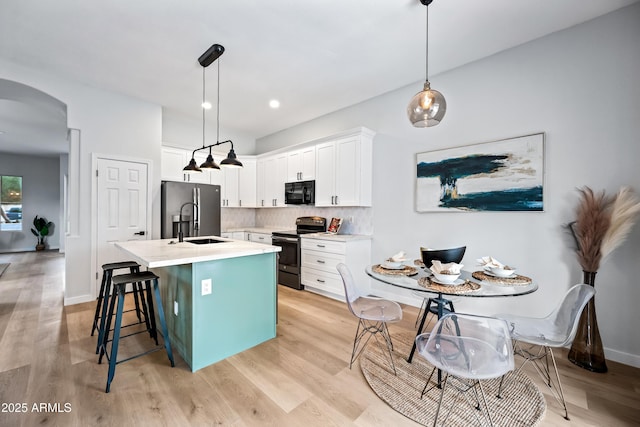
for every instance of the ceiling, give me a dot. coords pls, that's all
(314, 57)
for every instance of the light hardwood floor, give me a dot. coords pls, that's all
(301, 378)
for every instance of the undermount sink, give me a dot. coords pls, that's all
(204, 241)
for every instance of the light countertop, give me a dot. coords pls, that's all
(265, 230)
(336, 237)
(160, 253)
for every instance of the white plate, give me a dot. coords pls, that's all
(492, 274)
(391, 267)
(456, 282)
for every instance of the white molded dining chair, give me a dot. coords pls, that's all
(468, 349)
(373, 314)
(542, 334)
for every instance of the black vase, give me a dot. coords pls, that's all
(586, 350)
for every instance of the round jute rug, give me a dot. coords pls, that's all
(522, 404)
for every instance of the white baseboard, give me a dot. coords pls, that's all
(78, 300)
(621, 357)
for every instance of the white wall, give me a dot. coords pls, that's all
(580, 87)
(186, 132)
(40, 196)
(111, 124)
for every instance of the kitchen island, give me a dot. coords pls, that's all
(219, 298)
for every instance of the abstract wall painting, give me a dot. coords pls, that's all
(505, 175)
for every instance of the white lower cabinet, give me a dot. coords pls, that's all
(259, 237)
(319, 259)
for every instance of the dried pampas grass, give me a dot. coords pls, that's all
(624, 210)
(602, 224)
(592, 221)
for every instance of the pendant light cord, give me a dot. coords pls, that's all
(427, 45)
(202, 106)
(218, 107)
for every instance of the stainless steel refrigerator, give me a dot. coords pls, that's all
(200, 216)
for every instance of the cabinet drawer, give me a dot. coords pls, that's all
(260, 238)
(320, 280)
(324, 246)
(322, 260)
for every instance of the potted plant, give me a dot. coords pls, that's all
(41, 230)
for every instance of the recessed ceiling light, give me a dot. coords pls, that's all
(206, 105)
(274, 103)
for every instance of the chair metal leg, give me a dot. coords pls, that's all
(443, 384)
(543, 369)
(369, 330)
(99, 304)
(116, 338)
(422, 307)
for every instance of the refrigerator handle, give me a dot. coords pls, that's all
(196, 211)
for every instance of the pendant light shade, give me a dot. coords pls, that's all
(231, 161)
(209, 163)
(192, 166)
(428, 107)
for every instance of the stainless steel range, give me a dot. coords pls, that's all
(289, 241)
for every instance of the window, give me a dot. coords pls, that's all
(10, 202)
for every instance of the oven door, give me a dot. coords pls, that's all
(288, 261)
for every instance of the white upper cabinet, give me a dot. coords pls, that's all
(261, 196)
(247, 180)
(344, 171)
(301, 164)
(341, 166)
(172, 161)
(273, 174)
(229, 189)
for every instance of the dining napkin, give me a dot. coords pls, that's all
(452, 267)
(490, 262)
(399, 257)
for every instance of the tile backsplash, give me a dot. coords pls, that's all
(358, 220)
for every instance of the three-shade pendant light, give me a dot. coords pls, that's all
(427, 108)
(231, 161)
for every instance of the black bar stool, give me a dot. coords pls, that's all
(117, 299)
(105, 291)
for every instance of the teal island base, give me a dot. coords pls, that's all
(237, 314)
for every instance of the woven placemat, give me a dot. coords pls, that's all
(467, 286)
(406, 271)
(516, 280)
(522, 404)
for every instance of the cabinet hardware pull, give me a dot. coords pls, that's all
(319, 261)
(336, 200)
(140, 233)
(320, 246)
(240, 203)
(320, 280)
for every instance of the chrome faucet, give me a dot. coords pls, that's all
(180, 233)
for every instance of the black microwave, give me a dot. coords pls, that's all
(300, 193)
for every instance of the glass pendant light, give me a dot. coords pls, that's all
(427, 108)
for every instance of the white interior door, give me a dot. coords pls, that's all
(121, 208)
